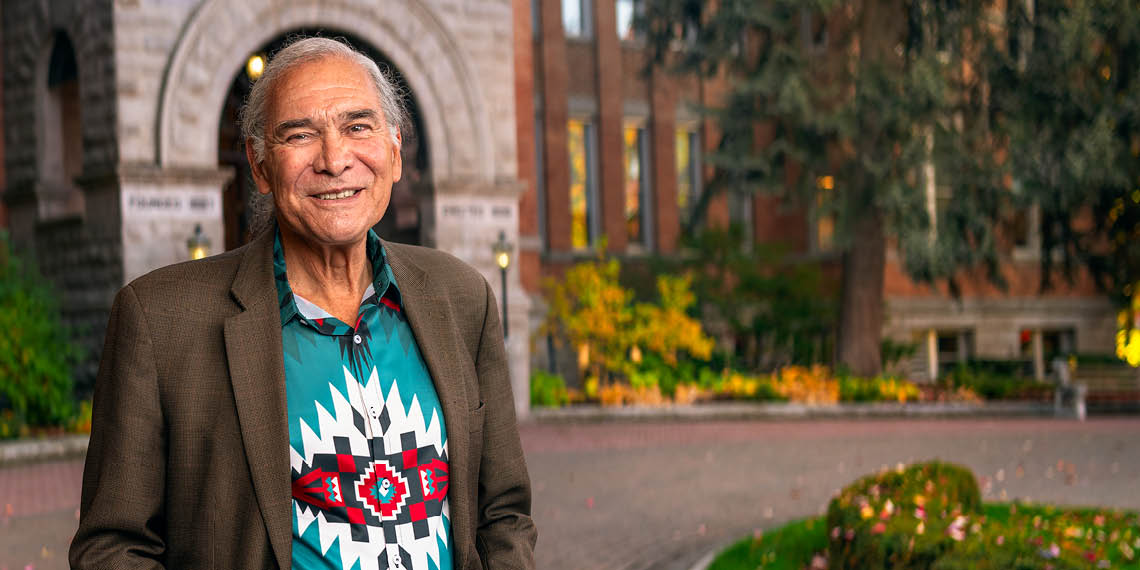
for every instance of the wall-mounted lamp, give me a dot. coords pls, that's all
(198, 244)
(254, 66)
(502, 251)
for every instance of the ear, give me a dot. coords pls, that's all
(397, 159)
(257, 168)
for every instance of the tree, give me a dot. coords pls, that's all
(1067, 93)
(862, 108)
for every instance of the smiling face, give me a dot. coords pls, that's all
(330, 159)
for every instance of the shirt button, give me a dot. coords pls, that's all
(356, 338)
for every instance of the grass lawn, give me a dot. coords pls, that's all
(1067, 537)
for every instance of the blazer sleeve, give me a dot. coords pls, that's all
(121, 508)
(505, 536)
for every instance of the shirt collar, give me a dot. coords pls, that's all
(382, 277)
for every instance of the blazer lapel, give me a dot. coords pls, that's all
(435, 334)
(257, 371)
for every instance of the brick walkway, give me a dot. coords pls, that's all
(657, 495)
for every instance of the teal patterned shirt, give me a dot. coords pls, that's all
(368, 445)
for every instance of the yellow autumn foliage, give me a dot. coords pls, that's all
(598, 316)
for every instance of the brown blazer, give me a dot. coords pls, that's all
(188, 465)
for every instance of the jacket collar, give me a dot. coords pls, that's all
(257, 373)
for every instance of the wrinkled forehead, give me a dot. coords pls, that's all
(329, 85)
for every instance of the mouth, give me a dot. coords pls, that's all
(337, 194)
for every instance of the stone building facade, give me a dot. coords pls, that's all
(154, 77)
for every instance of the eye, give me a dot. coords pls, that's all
(359, 128)
(297, 137)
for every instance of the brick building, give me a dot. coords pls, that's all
(617, 153)
(532, 118)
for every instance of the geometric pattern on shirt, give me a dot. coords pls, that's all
(350, 496)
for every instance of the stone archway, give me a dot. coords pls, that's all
(218, 38)
(410, 195)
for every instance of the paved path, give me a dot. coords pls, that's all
(638, 496)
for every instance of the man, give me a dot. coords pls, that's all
(317, 398)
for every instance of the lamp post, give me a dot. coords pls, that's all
(502, 251)
(198, 244)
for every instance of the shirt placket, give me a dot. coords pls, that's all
(376, 431)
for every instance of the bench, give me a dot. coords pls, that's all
(1105, 386)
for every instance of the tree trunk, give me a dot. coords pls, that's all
(861, 305)
(882, 26)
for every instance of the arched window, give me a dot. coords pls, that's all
(60, 140)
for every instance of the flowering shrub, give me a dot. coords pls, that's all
(903, 518)
(929, 516)
(612, 333)
(877, 389)
(1031, 536)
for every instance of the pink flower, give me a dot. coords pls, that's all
(957, 529)
(1000, 540)
(879, 528)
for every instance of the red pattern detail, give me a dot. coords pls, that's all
(355, 515)
(390, 304)
(411, 458)
(345, 463)
(372, 478)
(304, 489)
(417, 511)
(440, 475)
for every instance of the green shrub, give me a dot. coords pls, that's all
(548, 390)
(902, 519)
(993, 384)
(36, 355)
(789, 547)
(877, 389)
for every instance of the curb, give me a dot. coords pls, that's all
(706, 560)
(783, 412)
(72, 446)
(33, 450)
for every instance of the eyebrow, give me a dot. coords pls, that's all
(354, 115)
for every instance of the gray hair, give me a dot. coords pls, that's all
(306, 50)
(297, 52)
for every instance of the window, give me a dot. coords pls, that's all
(688, 149)
(576, 16)
(536, 18)
(583, 192)
(823, 235)
(635, 165)
(60, 140)
(627, 12)
(740, 209)
(954, 347)
(539, 177)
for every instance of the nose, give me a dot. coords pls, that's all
(335, 156)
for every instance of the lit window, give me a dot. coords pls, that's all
(824, 220)
(582, 192)
(688, 151)
(627, 12)
(576, 18)
(635, 166)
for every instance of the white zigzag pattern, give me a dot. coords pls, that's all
(339, 423)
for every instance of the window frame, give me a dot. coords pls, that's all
(592, 197)
(585, 18)
(645, 205)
